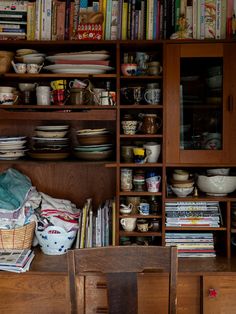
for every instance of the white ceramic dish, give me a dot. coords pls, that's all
(50, 134)
(52, 139)
(79, 56)
(218, 171)
(11, 138)
(52, 127)
(217, 185)
(182, 192)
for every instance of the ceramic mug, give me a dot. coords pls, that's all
(8, 98)
(144, 208)
(127, 154)
(128, 224)
(153, 184)
(154, 68)
(43, 95)
(143, 225)
(154, 149)
(135, 201)
(19, 67)
(152, 96)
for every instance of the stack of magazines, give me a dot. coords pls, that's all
(17, 261)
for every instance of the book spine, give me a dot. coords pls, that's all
(46, 26)
(30, 21)
(129, 19)
(124, 20)
(71, 27)
(61, 16)
(218, 19)
(10, 26)
(189, 19)
(119, 22)
(37, 19)
(177, 14)
(104, 7)
(223, 19)
(83, 227)
(195, 19)
(201, 19)
(67, 20)
(114, 19)
(54, 19)
(76, 16)
(229, 15)
(132, 20)
(210, 19)
(108, 20)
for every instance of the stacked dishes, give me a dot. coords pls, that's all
(181, 184)
(29, 56)
(83, 62)
(12, 148)
(50, 142)
(94, 144)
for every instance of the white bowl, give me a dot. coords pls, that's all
(180, 176)
(217, 185)
(182, 192)
(218, 171)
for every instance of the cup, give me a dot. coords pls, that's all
(153, 184)
(141, 59)
(28, 96)
(143, 225)
(127, 154)
(106, 99)
(59, 97)
(80, 96)
(27, 86)
(129, 69)
(129, 127)
(34, 68)
(97, 92)
(152, 96)
(140, 154)
(154, 149)
(135, 201)
(58, 84)
(7, 98)
(154, 68)
(19, 67)
(126, 179)
(128, 224)
(144, 208)
(77, 84)
(43, 95)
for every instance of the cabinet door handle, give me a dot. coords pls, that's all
(212, 293)
(230, 103)
(101, 285)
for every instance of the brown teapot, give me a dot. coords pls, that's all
(150, 123)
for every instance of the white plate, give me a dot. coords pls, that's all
(11, 147)
(52, 127)
(78, 56)
(54, 139)
(79, 71)
(11, 138)
(93, 133)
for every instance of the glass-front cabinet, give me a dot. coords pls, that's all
(199, 100)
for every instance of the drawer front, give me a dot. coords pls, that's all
(219, 294)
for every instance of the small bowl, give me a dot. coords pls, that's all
(129, 69)
(182, 192)
(180, 177)
(217, 185)
(218, 172)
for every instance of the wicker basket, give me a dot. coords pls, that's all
(5, 61)
(19, 238)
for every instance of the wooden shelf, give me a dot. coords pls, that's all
(133, 193)
(56, 75)
(141, 106)
(146, 165)
(142, 136)
(139, 234)
(140, 216)
(195, 229)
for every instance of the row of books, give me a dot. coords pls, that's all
(192, 244)
(117, 19)
(193, 214)
(16, 261)
(96, 226)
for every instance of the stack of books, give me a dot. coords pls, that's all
(13, 19)
(17, 261)
(193, 214)
(192, 244)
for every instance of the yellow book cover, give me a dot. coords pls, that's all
(30, 20)
(83, 226)
(124, 20)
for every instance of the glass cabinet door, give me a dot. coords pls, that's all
(195, 103)
(201, 106)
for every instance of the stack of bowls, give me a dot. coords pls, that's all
(12, 147)
(94, 144)
(50, 142)
(181, 184)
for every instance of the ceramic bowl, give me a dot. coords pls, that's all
(27, 86)
(95, 139)
(129, 69)
(218, 172)
(217, 185)
(50, 134)
(92, 156)
(181, 176)
(182, 192)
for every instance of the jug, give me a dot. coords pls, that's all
(126, 209)
(150, 123)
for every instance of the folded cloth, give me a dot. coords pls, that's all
(14, 186)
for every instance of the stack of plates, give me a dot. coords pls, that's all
(29, 56)
(50, 142)
(94, 144)
(12, 148)
(83, 62)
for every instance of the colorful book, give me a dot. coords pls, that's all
(114, 19)
(46, 20)
(124, 20)
(38, 5)
(210, 19)
(31, 21)
(108, 20)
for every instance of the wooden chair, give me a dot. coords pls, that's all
(120, 265)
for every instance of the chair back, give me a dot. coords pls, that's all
(120, 265)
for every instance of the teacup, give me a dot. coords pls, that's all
(143, 225)
(8, 98)
(153, 184)
(27, 86)
(129, 69)
(127, 153)
(34, 68)
(140, 154)
(152, 96)
(154, 68)
(129, 127)
(19, 67)
(128, 224)
(7, 89)
(144, 208)
(135, 201)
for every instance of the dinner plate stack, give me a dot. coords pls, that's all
(12, 147)
(50, 142)
(94, 144)
(83, 62)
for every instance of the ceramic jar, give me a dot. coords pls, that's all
(150, 124)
